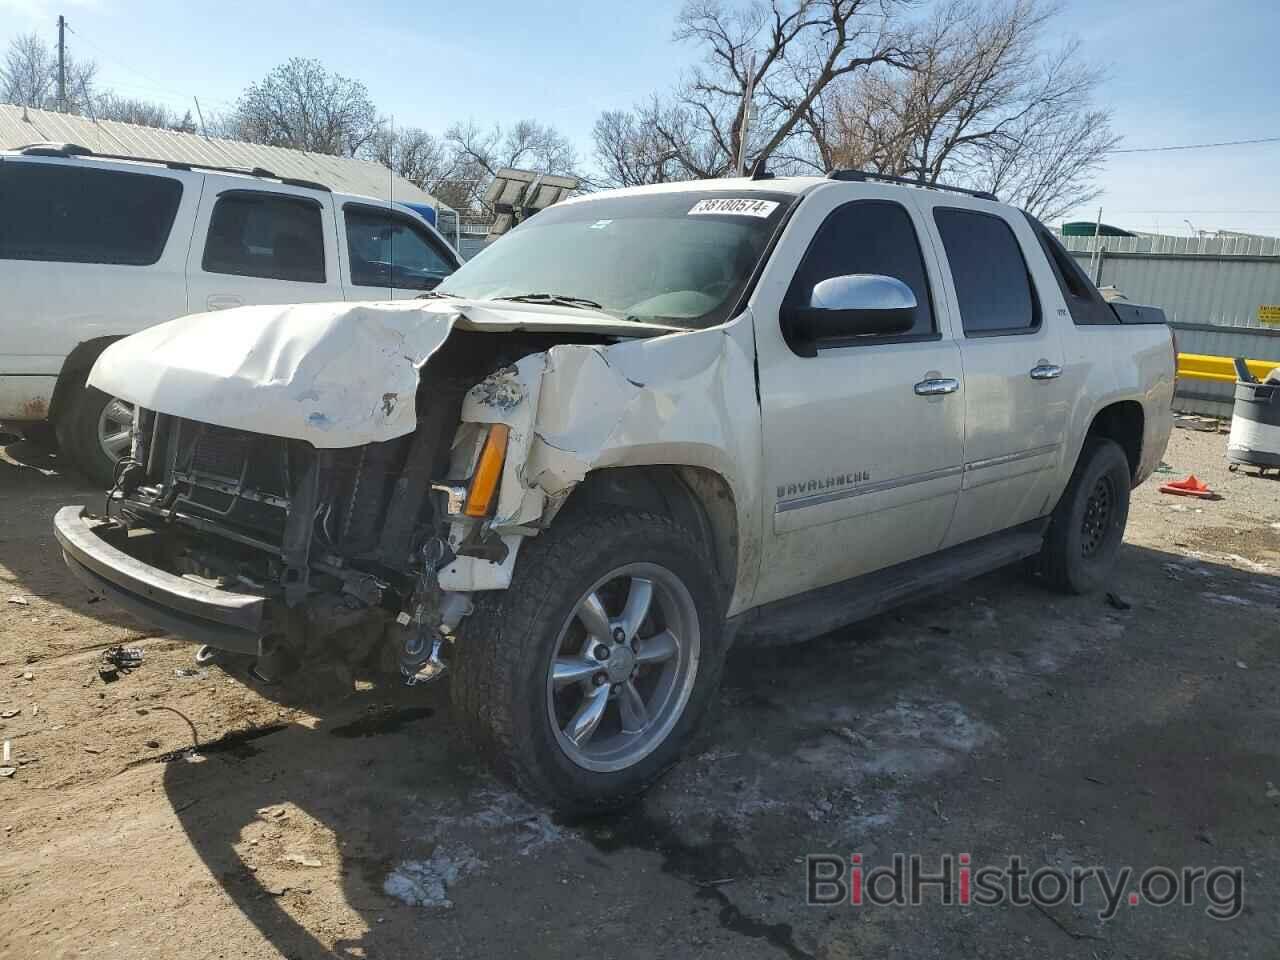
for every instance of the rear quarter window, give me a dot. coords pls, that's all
(71, 214)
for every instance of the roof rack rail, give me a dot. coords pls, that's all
(76, 150)
(863, 176)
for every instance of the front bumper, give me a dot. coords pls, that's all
(192, 611)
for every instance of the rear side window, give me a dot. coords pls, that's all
(868, 236)
(73, 214)
(990, 275)
(386, 250)
(266, 235)
(1083, 299)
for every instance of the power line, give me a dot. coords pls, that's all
(1197, 146)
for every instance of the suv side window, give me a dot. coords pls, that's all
(991, 278)
(1083, 299)
(253, 234)
(868, 236)
(72, 214)
(386, 249)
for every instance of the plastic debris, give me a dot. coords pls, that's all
(1191, 486)
(20, 601)
(8, 771)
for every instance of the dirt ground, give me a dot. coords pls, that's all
(996, 720)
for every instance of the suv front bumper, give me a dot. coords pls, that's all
(95, 551)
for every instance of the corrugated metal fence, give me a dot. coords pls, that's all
(1210, 289)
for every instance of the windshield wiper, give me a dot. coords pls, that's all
(559, 299)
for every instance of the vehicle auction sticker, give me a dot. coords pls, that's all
(739, 207)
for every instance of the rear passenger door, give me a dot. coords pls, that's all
(389, 255)
(862, 436)
(261, 245)
(1016, 405)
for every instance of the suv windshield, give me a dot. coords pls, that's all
(678, 258)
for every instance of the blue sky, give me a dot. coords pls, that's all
(1181, 71)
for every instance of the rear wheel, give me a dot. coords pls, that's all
(587, 677)
(1087, 526)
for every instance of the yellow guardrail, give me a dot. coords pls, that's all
(1201, 366)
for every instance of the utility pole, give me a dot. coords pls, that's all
(62, 64)
(744, 124)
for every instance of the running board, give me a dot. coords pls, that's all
(820, 611)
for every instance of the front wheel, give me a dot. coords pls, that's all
(1087, 526)
(586, 678)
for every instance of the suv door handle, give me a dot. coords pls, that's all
(1046, 371)
(936, 386)
(222, 302)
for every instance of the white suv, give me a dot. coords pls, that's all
(93, 248)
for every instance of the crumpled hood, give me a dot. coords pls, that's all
(332, 374)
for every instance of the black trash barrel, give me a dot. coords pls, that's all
(1255, 424)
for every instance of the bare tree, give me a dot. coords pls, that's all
(480, 152)
(425, 160)
(111, 106)
(788, 52)
(29, 76)
(302, 105)
(980, 105)
(631, 152)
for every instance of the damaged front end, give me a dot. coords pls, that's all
(292, 553)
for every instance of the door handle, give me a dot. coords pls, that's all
(221, 302)
(1046, 371)
(936, 386)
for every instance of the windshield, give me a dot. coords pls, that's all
(677, 258)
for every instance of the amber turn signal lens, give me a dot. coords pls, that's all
(484, 484)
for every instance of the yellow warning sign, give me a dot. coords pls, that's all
(1269, 313)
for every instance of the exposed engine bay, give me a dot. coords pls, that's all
(345, 543)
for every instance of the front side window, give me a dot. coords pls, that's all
(868, 236)
(266, 235)
(681, 258)
(990, 275)
(386, 250)
(72, 214)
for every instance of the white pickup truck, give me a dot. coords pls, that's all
(644, 423)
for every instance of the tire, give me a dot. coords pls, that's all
(1087, 526)
(515, 713)
(80, 438)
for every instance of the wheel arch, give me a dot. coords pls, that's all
(75, 370)
(698, 498)
(1123, 422)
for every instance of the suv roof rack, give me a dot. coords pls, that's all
(67, 150)
(863, 176)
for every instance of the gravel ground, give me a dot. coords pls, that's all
(998, 720)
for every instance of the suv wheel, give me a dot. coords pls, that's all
(94, 433)
(1087, 526)
(587, 677)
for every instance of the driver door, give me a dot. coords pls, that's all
(863, 440)
(388, 256)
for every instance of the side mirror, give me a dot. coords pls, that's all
(858, 305)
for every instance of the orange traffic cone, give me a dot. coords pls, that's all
(1190, 487)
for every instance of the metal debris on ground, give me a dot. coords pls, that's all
(117, 659)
